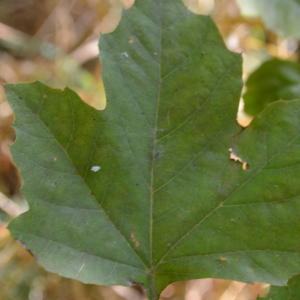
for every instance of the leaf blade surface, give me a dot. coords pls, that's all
(274, 80)
(145, 190)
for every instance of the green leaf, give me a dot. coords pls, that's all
(274, 80)
(289, 292)
(280, 16)
(145, 191)
(277, 293)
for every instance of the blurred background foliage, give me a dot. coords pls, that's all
(55, 41)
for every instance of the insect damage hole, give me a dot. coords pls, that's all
(233, 156)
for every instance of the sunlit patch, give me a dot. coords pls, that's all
(127, 3)
(200, 7)
(243, 118)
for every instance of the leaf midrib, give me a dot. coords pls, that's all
(154, 149)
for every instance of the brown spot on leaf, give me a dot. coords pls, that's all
(134, 240)
(222, 259)
(131, 40)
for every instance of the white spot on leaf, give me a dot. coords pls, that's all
(95, 168)
(125, 54)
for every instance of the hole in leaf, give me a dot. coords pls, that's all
(233, 156)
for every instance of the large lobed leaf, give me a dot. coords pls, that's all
(281, 16)
(145, 191)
